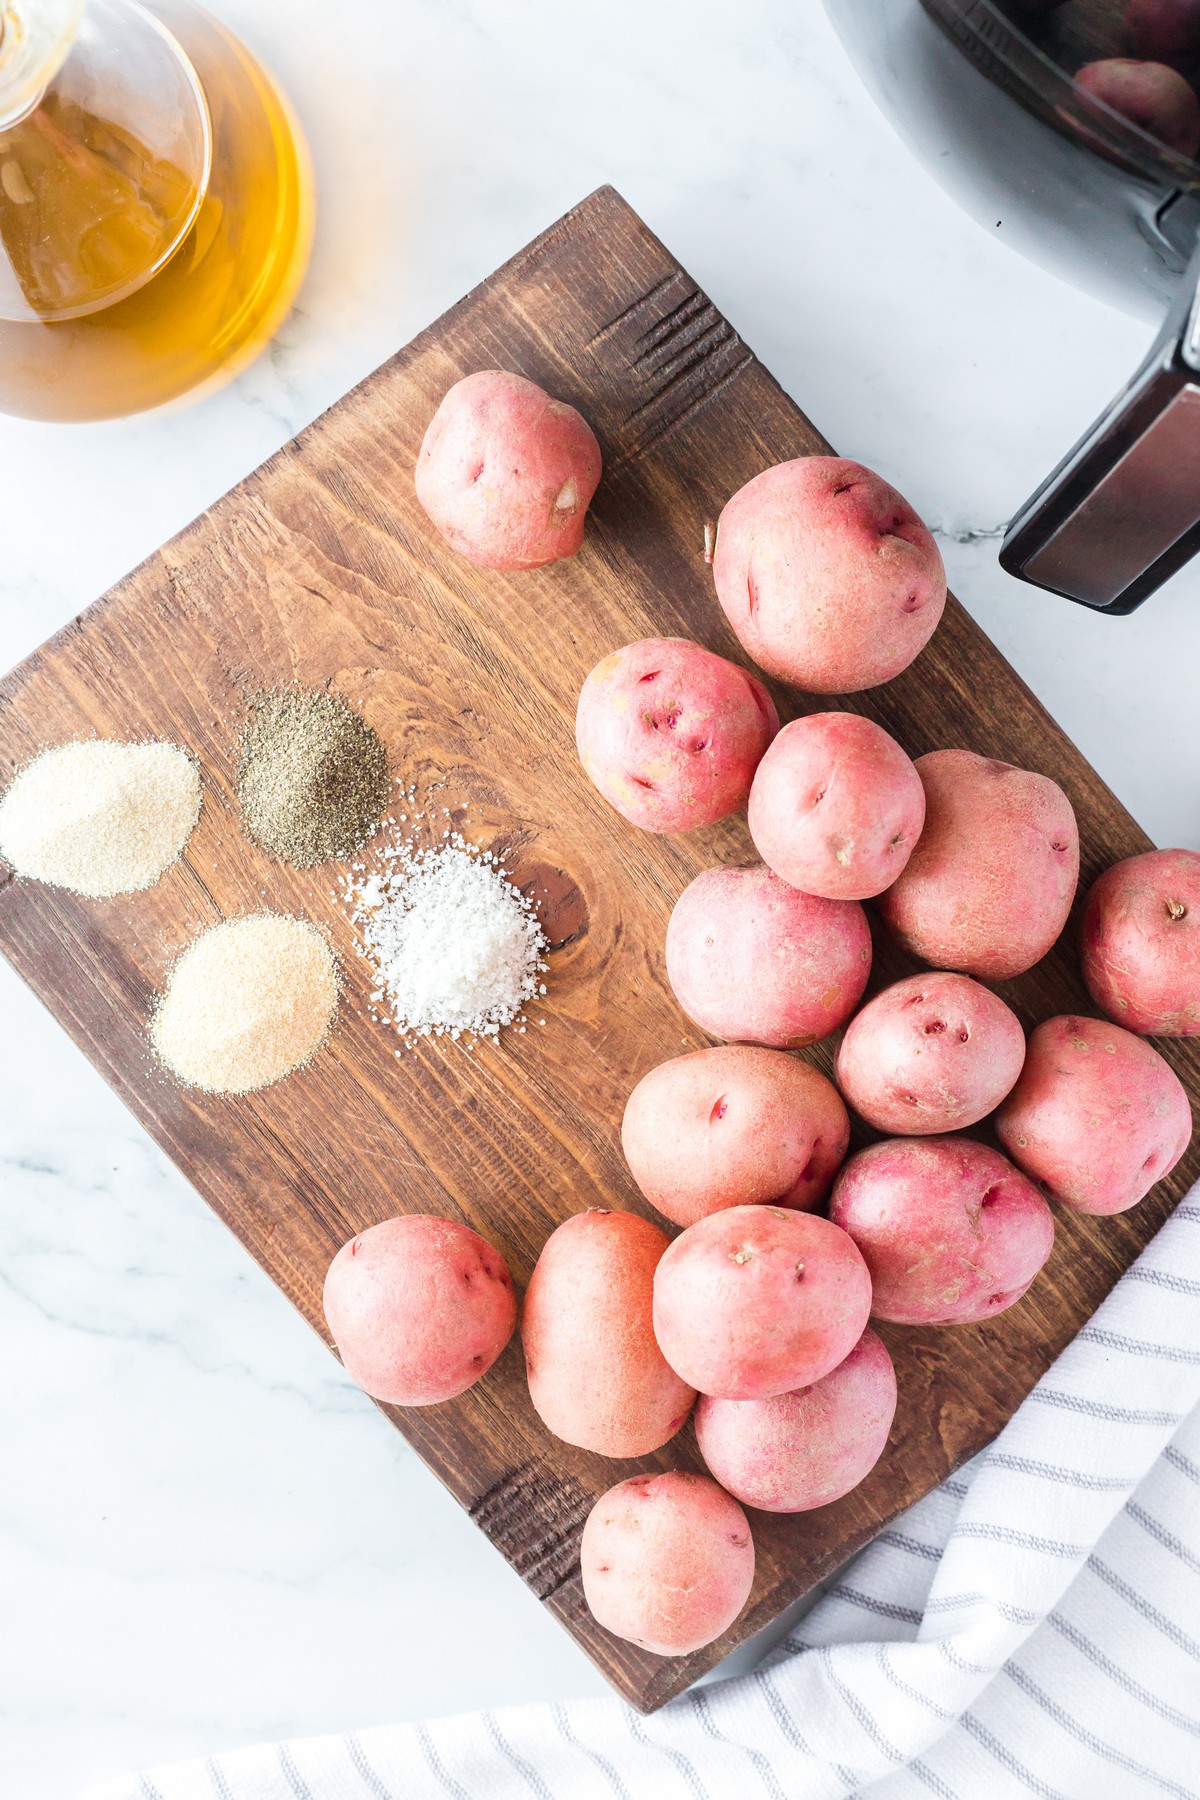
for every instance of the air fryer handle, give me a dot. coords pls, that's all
(1122, 511)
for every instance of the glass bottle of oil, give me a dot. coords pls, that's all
(155, 206)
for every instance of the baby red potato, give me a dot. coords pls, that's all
(668, 1561)
(836, 806)
(751, 958)
(1149, 95)
(930, 1054)
(733, 1126)
(507, 473)
(419, 1308)
(759, 1300)
(596, 1374)
(672, 734)
(1097, 1117)
(1141, 943)
(805, 1449)
(951, 1232)
(827, 575)
(989, 886)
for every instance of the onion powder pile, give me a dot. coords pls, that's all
(456, 949)
(99, 817)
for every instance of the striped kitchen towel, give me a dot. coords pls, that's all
(1031, 1627)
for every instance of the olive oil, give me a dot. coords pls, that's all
(218, 296)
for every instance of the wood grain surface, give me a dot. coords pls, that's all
(321, 568)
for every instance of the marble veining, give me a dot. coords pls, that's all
(206, 1535)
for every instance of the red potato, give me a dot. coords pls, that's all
(1165, 31)
(759, 1300)
(797, 1451)
(667, 1561)
(751, 958)
(419, 1308)
(930, 1054)
(951, 1232)
(1150, 95)
(1141, 943)
(733, 1126)
(990, 884)
(596, 1375)
(836, 806)
(827, 575)
(1097, 1117)
(507, 473)
(672, 734)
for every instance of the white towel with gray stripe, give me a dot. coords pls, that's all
(1031, 1627)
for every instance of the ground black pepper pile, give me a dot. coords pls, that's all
(312, 778)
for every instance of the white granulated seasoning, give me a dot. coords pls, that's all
(248, 1001)
(456, 949)
(100, 818)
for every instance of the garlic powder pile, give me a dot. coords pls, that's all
(456, 949)
(249, 1000)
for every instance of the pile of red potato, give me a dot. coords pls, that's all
(754, 1318)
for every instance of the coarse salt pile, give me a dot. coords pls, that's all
(98, 817)
(456, 949)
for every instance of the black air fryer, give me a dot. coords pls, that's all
(989, 95)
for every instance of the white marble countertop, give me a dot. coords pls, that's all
(206, 1535)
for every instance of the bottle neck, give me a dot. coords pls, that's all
(104, 171)
(35, 40)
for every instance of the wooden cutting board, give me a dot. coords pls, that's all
(321, 568)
